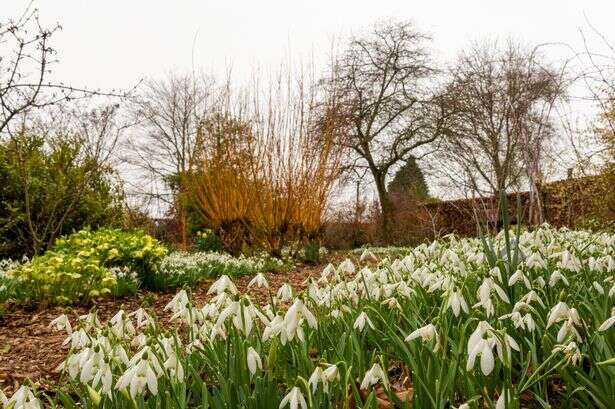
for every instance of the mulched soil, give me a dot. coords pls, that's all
(29, 349)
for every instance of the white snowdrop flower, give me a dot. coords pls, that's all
(559, 312)
(555, 277)
(361, 320)
(61, 323)
(137, 377)
(254, 361)
(223, 284)
(121, 326)
(178, 302)
(374, 375)
(426, 333)
(535, 260)
(598, 287)
(392, 303)
(89, 321)
(331, 373)
(569, 262)
(259, 280)
(285, 292)
(482, 341)
(540, 282)
(504, 399)
(367, 255)
(532, 296)
(571, 351)
(495, 272)
(335, 313)
(142, 317)
(23, 398)
(482, 347)
(519, 276)
(457, 303)
(315, 378)
(326, 376)
(174, 366)
(78, 339)
(328, 271)
(608, 323)
(464, 406)
(347, 267)
(294, 399)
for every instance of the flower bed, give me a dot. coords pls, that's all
(457, 323)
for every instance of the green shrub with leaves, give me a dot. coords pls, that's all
(50, 187)
(87, 265)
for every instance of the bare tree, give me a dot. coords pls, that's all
(167, 114)
(502, 101)
(26, 60)
(383, 80)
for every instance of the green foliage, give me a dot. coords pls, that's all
(49, 188)
(312, 252)
(409, 179)
(207, 240)
(87, 265)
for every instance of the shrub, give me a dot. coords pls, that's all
(87, 265)
(49, 188)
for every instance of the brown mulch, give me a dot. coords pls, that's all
(30, 349)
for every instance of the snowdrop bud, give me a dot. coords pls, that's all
(608, 323)
(254, 361)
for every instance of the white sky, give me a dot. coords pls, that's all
(112, 44)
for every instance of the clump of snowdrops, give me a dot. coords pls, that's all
(178, 269)
(499, 323)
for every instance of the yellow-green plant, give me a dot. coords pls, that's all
(86, 265)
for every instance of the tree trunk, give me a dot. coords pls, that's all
(386, 206)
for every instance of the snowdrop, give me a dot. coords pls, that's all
(571, 351)
(426, 333)
(367, 255)
(457, 303)
(61, 323)
(259, 280)
(346, 267)
(254, 361)
(517, 277)
(557, 276)
(374, 375)
(221, 285)
(608, 323)
(361, 320)
(294, 399)
(23, 398)
(285, 292)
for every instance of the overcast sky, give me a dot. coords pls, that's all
(112, 43)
